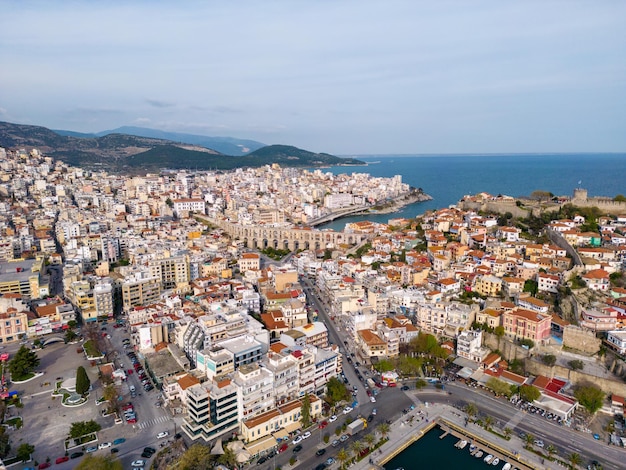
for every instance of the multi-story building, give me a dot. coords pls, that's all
(215, 361)
(547, 282)
(140, 290)
(173, 272)
(284, 369)
(371, 344)
(526, 324)
(245, 349)
(13, 318)
(617, 340)
(469, 345)
(256, 388)
(22, 276)
(103, 299)
(212, 410)
(249, 262)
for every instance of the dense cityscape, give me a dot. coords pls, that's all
(182, 319)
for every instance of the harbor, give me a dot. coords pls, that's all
(438, 433)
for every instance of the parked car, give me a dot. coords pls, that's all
(91, 449)
(138, 463)
(104, 445)
(44, 465)
(320, 452)
(323, 424)
(347, 410)
(114, 450)
(335, 443)
(162, 434)
(297, 449)
(283, 448)
(149, 450)
(332, 419)
(297, 440)
(65, 458)
(306, 435)
(261, 461)
(330, 461)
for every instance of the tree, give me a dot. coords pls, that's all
(409, 366)
(530, 440)
(336, 391)
(305, 411)
(576, 364)
(420, 384)
(357, 447)
(197, 457)
(343, 456)
(507, 432)
(499, 332)
(369, 440)
(96, 462)
(384, 365)
(488, 422)
(228, 458)
(575, 460)
(471, 410)
(551, 450)
(5, 444)
(590, 397)
(23, 363)
(383, 429)
(82, 381)
(70, 336)
(499, 387)
(24, 451)
(549, 359)
(82, 428)
(529, 393)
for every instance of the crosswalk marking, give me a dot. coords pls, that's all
(147, 424)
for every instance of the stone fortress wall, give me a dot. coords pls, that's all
(580, 198)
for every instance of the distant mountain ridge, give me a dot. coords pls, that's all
(225, 145)
(126, 153)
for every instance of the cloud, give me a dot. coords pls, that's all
(160, 104)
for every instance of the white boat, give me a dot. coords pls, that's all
(495, 461)
(488, 459)
(462, 444)
(479, 454)
(507, 466)
(473, 448)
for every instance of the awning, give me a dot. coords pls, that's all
(293, 426)
(261, 445)
(280, 433)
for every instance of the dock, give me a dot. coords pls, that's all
(446, 432)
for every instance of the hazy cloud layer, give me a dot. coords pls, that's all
(342, 77)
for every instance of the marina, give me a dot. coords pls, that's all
(471, 452)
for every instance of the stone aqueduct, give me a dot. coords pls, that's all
(293, 239)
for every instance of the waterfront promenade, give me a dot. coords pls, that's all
(405, 432)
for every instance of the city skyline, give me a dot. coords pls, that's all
(345, 78)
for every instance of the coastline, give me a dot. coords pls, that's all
(450, 421)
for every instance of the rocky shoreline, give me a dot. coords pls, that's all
(414, 195)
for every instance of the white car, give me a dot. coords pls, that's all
(347, 410)
(332, 419)
(297, 440)
(104, 445)
(306, 435)
(163, 434)
(373, 399)
(138, 463)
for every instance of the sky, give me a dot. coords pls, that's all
(343, 77)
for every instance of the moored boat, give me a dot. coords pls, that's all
(462, 444)
(488, 459)
(495, 461)
(507, 466)
(473, 449)
(479, 454)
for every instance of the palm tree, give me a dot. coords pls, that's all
(369, 439)
(575, 460)
(551, 450)
(357, 447)
(383, 429)
(530, 440)
(343, 456)
(488, 422)
(471, 410)
(507, 432)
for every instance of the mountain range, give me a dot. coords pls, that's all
(139, 150)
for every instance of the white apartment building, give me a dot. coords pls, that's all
(284, 369)
(469, 345)
(256, 388)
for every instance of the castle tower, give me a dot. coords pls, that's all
(580, 194)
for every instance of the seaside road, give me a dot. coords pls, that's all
(566, 440)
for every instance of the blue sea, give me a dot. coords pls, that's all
(447, 178)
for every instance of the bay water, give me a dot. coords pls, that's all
(447, 178)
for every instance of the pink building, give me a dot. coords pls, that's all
(521, 323)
